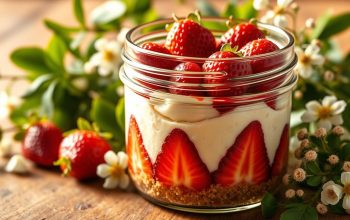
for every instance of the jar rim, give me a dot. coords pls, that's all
(131, 44)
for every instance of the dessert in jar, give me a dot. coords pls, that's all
(207, 111)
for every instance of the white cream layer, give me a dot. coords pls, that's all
(213, 136)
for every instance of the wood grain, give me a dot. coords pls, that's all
(45, 194)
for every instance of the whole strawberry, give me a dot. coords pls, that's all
(155, 61)
(81, 152)
(195, 79)
(41, 143)
(188, 38)
(231, 68)
(257, 47)
(241, 34)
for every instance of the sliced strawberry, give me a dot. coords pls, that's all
(139, 161)
(246, 161)
(179, 163)
(281, 156)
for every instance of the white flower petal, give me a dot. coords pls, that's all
(346, 202)
(260, 4)
(110, 183)
(313, 106)
(89, 67)
(111, 158)
(329, 183)
(309, 117)
(6, 147)
(336, 120)
(103, 170)
(307, 71)
(284, 3)
(312, 49)
(107, 12)
(267, 18)
(299, 51)
(122, 35)
(124, 181)
(338, 107)
(280, 20)
(103, 71)
(100, 44)
(345, 178)
(328, 100)
(96, 59)
(123, 159)
(114, 47)
(17, 164)
(324, 197)
(80, 83)
(324, 123)
(317, 60)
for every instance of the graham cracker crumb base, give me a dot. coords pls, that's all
(214, 196)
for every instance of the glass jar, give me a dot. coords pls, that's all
(191, 146)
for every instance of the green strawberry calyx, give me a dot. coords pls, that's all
(227, 47)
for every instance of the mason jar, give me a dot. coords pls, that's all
(190, 146)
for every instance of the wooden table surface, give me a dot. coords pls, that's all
(44, 194)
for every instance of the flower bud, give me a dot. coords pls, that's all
(333, 159)
(290, 193)
(321, 132)
(338, 130)
(321, 208)
(300, 193)
(328, 76)
(310, 155)
(310, 23)
(302, 134)
(299, 175)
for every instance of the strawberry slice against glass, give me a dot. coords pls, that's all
(281, 156)
(246, 160)
(179, 163)
(139, 161)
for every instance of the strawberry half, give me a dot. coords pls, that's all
(139, 161)
(188, 78)
(179, 163)
(241, 34)
(188, 38)
(246, 161)
(281, 156)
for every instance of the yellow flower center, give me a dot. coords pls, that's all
(347, 189)
(278, 10)
(331, 194)
(305, 59)
(108, 55)
(116, 171)
(324, 112)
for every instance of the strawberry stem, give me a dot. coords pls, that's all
(230, 22)
(65, 163)
(227, 47)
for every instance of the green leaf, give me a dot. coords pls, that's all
(206, 8)
(246, 10)
(314, 181)
(120, 113)
(345, 152)
(302, 212)
(231, 9)
(103, 114)
(56, 51)
(137, 6)
(335, 25)
(19, 116)
(79, 12)
(31, 59)
(268, 205)
(84, 124)
(321, 23)
(37, 84)
(108, 12)
(64, 34)
(312, 167)
(47, 101)
(77, 40)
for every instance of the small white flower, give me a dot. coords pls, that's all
(7, 103)
(345, 180)
(114, 170)
(17, 164)
(331, 193)
(308, 59)
(277, 16)
(310, 23)
(260, 4)
(107, 12)
(107, 58)
(326, 114)
(6, 147)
